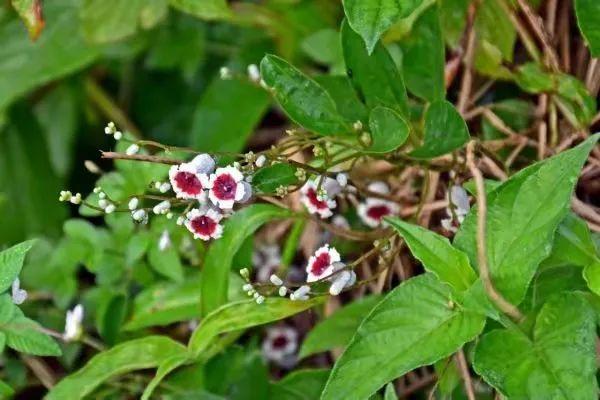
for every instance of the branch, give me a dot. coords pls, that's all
(139, 157)
(484, 271)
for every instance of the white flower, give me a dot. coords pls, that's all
(204, 163)
(280, 345)
(73, 328)
(164, 242)
(247, 192)
(65, 195)
(282, 291)
(260, 161)
(253, 73)
(110, 128)
(76, 199)
(18, 295)
(322, 263)
(314, 205)
(372, 211)
(459, 207)
(187, 183)
(226, 187)
(204, 224)
(162, 207)
(133, 203)
(132, 149)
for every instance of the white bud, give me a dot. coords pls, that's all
(204, 163)
(247, 192)
(132, 149)
(162, 207)
(103, 203)
(118, 135)
(101, 195)
(92, 167)
(224, 73)
(133, 203)
(97, 189)
(342, 179)
(379, 187)
(260, 300)
(282, 291)
(109, 208)
(164, 187)
(180, 220)
(253, 73)
(245, 273)
(357, 126)
(339, 283)
(76, 199)
(169, 215)
(300, 293)
(275, 280)
(139, 215)
(260, 161)
(247, 287)
(164, 242)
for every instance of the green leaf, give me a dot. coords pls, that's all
(165, 303)
(559, 362)
(436, 254)
(448, 376)
(24, 335)
(445, 131)
(376, 77)
(453, 18)
(588, 19)
(30, 12)
(345, 97)
(215, 272)
(144, 353)
(110, 316)
(371, 18)
(337, 330)
(268, 179)
(6, 392)
(45, 60)
(166, 262)
(423, 51)
(11, 262)
(241, 315)
(414, 325)
(324, 47)
(302, 99)
(204, 9)
(106, 21)
(388, 130)
(549, 281)
(214, 129)
(573, 244)
(522, 216)
(304, 384)
(533, 79)
(164, 369)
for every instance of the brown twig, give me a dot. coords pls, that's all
(464, 373)
(139, 157)
(484, 271)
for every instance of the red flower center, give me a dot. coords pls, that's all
(188, 182)
(203, 225)
(320, 264)
(224, 187)
(312, 197)
(378, 212)
(280, 342)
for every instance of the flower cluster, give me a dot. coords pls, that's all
(326, 264)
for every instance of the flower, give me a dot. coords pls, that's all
(204, 224)
(18, 295)
(372, 211)
(162, 208)
(301, 293)
(164, 242)
(321, 264)
(459, 207)
(275, 280)
(139, 215)
(316, 204)
(187, 183)
(133, 203)
(73, 328)
(379, 187)
(280, 344)
(226, 187)
(260, 161)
